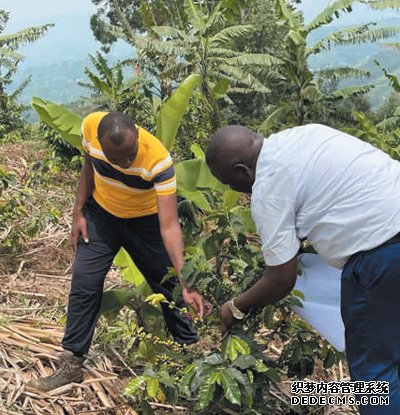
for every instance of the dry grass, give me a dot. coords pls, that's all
(29, 348)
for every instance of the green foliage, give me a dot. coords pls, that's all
(386, 139)
(21, 215)
(60, 147)
(10, 110)
(304, 86)
(111, 92)
(170, 115)
(64, 122)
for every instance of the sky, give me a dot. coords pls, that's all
(41, 10)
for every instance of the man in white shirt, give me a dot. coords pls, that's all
(343, 195)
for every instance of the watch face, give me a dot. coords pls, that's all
(236, 313)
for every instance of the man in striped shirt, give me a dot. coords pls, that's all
(126, 198)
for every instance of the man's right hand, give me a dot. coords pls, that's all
(79, 227)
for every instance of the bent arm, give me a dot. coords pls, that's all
(276, 283)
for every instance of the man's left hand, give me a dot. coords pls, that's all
(199, 304)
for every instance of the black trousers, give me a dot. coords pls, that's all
(141, 238)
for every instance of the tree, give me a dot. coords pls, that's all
(204, 47)
(9, 59)
(111, 92)
(304, 86)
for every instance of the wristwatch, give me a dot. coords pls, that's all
(236, 313)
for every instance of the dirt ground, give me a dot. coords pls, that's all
(34, 286)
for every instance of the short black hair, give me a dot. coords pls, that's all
(113, 125)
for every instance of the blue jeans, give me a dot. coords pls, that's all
(370, 301)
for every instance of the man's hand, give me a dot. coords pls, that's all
(79, 227)
(227, 319)
(199, 304)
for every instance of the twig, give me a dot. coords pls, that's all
(120, 358)
(179, 408)
(278, 397)
(54, 277)
(340, 365)
(26, 293)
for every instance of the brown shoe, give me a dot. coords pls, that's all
(70, 370)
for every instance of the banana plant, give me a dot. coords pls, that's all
(307, 96)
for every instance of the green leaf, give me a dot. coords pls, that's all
(260, 366)
(329, 13)
(329, 360)
(64, 122)
(243, 216)
(197, 198)
(129, 270)
(133, 386)
(232, 32)
(231, 388)
(197, 151)
(273, 375)
(233, 345)
(244, 361)
(152, 387)
(187, 377)
(312, 93)
(156, 299)
(168, 31)
(115, 300)
(195, 14)
(250, 375)
(245, 386)
(192, 174)
(216, 378)
(206, 391)
(393, 79)
(171, 112)
(351, 91)
(230, 199)
(214, 359)
(220, 88)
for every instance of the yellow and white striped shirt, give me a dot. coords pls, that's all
(131, 192)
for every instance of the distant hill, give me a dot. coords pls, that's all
(362, 56)
(57, 60)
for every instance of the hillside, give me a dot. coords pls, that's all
(56, 62)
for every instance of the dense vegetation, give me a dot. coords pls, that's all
(196, 66)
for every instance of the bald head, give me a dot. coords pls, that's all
(232, 156)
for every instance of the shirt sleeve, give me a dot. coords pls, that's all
(164, 179)
(275, 222)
